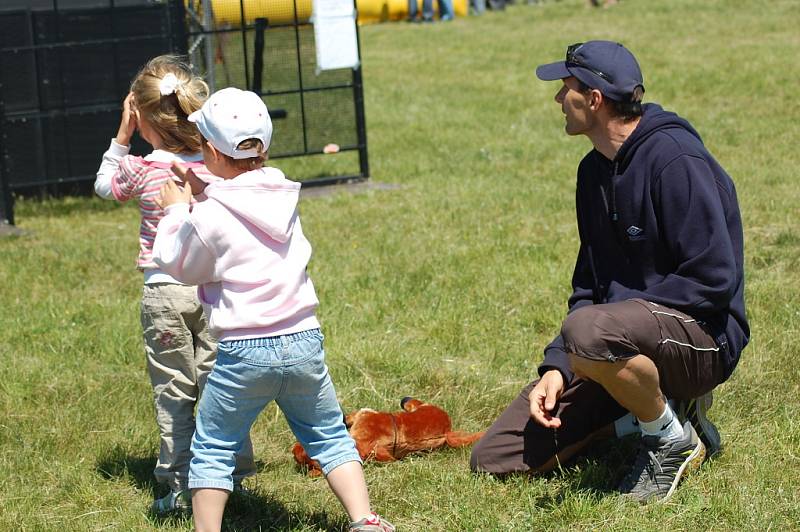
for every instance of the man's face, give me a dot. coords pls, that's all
(575, 106)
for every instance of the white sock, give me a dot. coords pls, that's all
(665, 426)
(628, 424)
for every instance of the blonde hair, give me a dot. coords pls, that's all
(167, 113)
(251, 163)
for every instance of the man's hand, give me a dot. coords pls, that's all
(171, 194)
(188, 176)
(127, 124)
(543, 399)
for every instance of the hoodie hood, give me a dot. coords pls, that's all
(253, 193)
(654, 119)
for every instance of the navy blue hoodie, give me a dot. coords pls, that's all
(660, 222)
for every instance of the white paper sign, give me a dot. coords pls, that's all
(335, 34)
(333, 8)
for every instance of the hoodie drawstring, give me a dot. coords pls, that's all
(614, 214)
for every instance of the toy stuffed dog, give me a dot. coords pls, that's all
(386, 436)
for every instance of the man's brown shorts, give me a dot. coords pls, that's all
(682, 349)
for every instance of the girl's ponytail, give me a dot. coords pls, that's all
(191, 94)
(166, 92)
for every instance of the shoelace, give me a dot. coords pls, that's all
(652, 464)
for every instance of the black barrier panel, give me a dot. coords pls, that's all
(65, 67)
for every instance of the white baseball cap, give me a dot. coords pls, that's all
(231, 116)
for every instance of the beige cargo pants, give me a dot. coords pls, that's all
(180, 354)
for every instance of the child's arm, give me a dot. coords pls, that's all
(187, 176)
(171, 194)
(119, 148)
(178, 249)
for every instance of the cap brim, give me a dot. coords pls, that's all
(552, 71)
(194, 116)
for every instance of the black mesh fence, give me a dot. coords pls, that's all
(268, 46)
(66, 65)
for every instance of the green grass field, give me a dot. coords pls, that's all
(445, 288)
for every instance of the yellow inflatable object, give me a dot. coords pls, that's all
(229, 12)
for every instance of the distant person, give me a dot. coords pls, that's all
(657, 309)
(604, 3)
(245, 248)
(446, 11)
(477, 7)
(180, 350)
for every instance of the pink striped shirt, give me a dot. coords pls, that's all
(141, 178)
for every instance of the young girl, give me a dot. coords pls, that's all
(245, 248)
(180, 351)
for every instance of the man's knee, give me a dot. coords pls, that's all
(582, 331)
(596, 333)
(475, 459)
(497, 456)
(481, 459)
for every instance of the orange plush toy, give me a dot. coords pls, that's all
(386, 436)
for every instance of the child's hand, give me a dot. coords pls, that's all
(188, 176)
(127, 124)
(171, 194)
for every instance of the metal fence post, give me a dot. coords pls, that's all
(258, 55)
(300, 76)
(210, 38)
(358, 100)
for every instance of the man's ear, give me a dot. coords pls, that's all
(596, 99)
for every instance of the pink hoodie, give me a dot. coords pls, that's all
(245, 249)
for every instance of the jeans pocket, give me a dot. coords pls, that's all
(253, 355)
(304, 350)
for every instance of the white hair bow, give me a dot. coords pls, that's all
(168, 84)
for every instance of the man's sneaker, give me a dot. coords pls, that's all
(695, 411)
(372, 523)
(660, 464)
(174, 501)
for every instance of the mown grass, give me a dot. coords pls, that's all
(445, 288)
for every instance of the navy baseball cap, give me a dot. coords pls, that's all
(603, 65)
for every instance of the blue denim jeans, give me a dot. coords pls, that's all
(248, 375)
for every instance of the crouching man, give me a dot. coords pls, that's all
(657, 309)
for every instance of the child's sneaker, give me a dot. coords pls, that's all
(372, 523)
(174, 501)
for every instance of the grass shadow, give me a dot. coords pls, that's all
(244, 511)
(118, 463)
(254, 511)
(595, 472)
